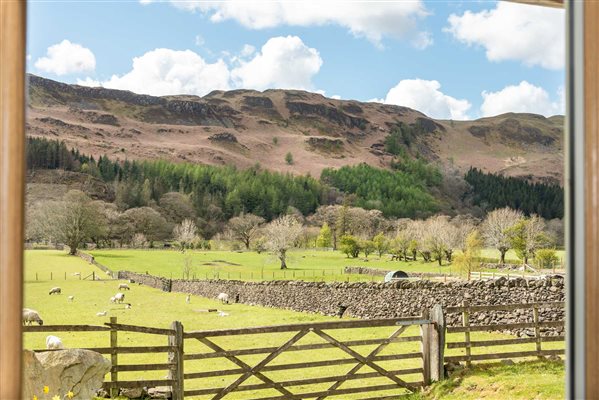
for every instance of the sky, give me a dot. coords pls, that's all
(449, 59)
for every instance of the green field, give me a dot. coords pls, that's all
(302, 264)
(151, 307)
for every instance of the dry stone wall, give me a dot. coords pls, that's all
(383, 300)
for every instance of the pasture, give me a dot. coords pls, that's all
(151, 307)
(302, 264)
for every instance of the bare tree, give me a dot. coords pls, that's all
(74, 220)
(495, 229)
(139, 241)
(245, 227)
(185, 233)
(436, 232)
(148, 221)
(281, 235)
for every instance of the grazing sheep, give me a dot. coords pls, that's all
(71, 298)
(223, 297)
(113, 299)
(188, 299)
(128, 306)
(119, 297)
(102, 314)
(53, 343)
(124, 286)
(30, 316)
(55, 290)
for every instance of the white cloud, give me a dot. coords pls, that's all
(247, 50)
(67, 58)
(372, 20)
(336, 97)
(167, 72)
(531, 34)
(199, 40)
(283, 62)
(425, 96)
(422, 40)
(524, 97)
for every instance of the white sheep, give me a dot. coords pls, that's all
(128, 306)
(223, 297)
(30, 316)
(55, 290)
(102, 314)
(124, 286)
(188, 299)
(54, 343)
(70, 298)
(119, 297)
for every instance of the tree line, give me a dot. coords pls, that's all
(491, 191)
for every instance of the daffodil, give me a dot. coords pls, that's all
(70, 394)
(46, 389)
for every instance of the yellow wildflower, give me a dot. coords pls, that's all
(57, 397)
(70, 394)
(34, 397)
(46, 389)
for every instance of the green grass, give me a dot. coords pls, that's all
(528, 380)
(302, 264)
(151, 307)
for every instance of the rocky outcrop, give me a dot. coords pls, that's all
(332, 114)
(325, 145)
(74, 370)
(223, 137)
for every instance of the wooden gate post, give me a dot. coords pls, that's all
(425, 333)
(466, 324)
(437, 343)
(176, 357)
(114, 375)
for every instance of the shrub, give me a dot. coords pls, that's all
(546, 258)
(350, 246)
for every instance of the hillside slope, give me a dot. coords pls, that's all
(243, 127)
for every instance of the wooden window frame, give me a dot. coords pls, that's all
(581, 185)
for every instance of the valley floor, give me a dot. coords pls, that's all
(151, 307)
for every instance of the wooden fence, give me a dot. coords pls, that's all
(429, 367)
(467, 328)
(427, 362)
(174, 349)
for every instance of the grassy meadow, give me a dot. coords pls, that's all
(151, 307)
(248, 265)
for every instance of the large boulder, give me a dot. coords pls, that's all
(75, 370)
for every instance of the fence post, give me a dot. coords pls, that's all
(466, 323)
(535, 315)
(114, 375)
(176, 357)
(425, 333)
(50, 275)
(437, 343)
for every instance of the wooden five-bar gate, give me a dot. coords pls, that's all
(309, 360)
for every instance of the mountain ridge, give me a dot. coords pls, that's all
(242, 127)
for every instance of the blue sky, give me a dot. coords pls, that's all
(435, 56)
